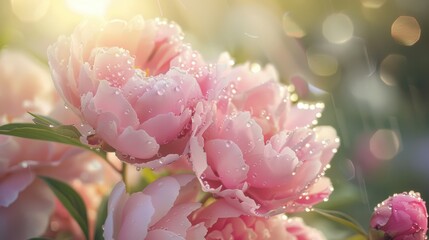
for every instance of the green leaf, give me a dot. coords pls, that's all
(43, 120)
(71, 201)
(66, 134)
(101, 218)
(357, 237)
(343, 219)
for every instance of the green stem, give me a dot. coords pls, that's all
(342, 219)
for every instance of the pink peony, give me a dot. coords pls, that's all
(160, 211)
(25, 85)
(224, 222)
(26, 203)
(284, 173)
(401, 217)
(118, 77)
(259, 92)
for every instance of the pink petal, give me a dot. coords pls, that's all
(137, 143)
(114, 65)
(12, 184)
(299, 116)
(163, 192)
(108, 99)
(226, 159)
(117, 199)
(29, 215)
(166, 127)
(137, 215)
(159, 234)
(273, 168)
(219, 209)
(176, 220)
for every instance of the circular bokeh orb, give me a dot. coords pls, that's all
(406, 30)
(338, 28)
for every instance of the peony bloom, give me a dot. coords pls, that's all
(224, 223)
(400, 217)
(119, 77)
(25, 85)
(284, 173)
(26, 203)
(258, 91)
(160, 211)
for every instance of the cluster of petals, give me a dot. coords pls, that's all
(402, 216)
(167, 209)
(257, 150)
(154, 100)
(225, 222)
(127, 89)
(26, 201)
(160, 211)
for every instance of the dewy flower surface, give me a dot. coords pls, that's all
(118, 77)
(255, 153)
(400, 217)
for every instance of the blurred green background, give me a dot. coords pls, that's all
(367, 60)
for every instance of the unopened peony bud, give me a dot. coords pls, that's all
(400, 217)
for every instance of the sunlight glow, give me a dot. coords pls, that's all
(89, 7)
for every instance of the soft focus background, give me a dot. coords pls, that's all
(367, 60)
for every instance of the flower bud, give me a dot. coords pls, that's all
(402, 216)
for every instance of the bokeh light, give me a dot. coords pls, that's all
(89, 7)
(338, 28)
(372, 3)
(291, 28)
(406, 30)
(30, 10)
(384, 144)
(322, 64)
(392, 69)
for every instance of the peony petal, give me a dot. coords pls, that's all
(117, 199)
(137, 143)
(177, 219)
(166, 127)
(164, 192)
(226, 160)
(11, 185)
(29, 215)
(160, 234)
(137, 215)
(108, 99)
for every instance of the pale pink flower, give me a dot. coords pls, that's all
(233, 160)
(160, 211)
(259, 91)
(118, 77)
(400, 217)
(25, 85)
(224, 222)
(26, 203)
